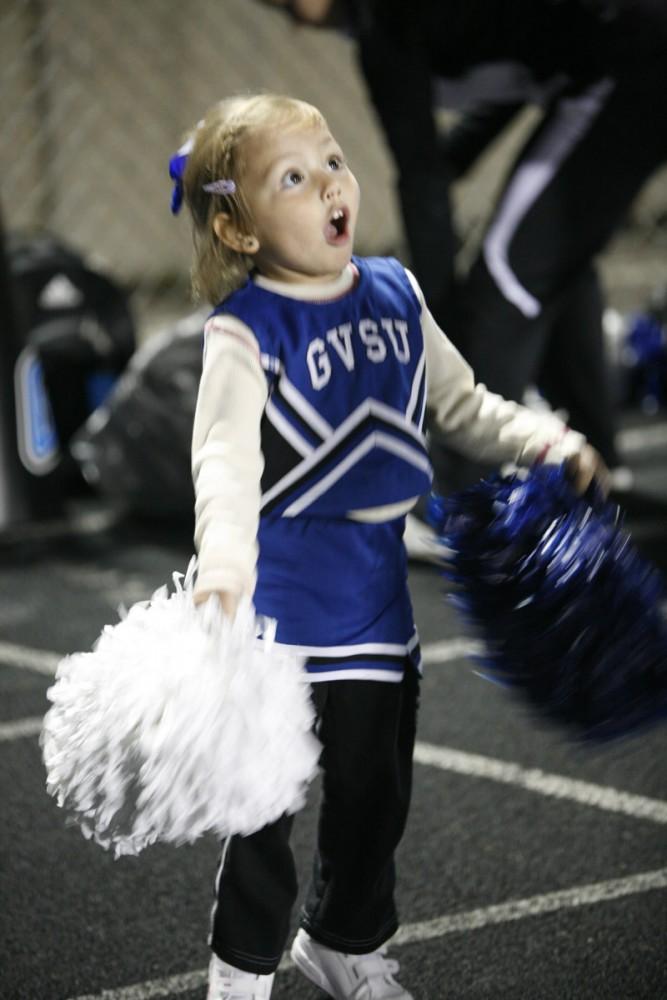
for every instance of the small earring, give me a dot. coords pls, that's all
(250, 243)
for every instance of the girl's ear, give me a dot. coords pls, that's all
(227, 233)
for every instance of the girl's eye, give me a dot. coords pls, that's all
(292, 178)
(335, 163)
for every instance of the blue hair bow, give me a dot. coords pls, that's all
(177, 165)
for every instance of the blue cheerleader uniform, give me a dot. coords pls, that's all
(342, 432)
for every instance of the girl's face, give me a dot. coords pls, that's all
(304, 202)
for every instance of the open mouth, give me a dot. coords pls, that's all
(336, 230)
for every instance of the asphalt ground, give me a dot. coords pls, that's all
(532, 867)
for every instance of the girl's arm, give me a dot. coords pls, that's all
(227, 462)
(487, 427)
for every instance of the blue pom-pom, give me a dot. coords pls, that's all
(568, 610)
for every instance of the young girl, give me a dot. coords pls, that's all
(308, 452)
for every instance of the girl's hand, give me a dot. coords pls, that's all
(228, 602)
(586, 466)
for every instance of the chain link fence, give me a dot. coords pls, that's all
(95, 97)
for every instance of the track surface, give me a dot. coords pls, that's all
(531, 868)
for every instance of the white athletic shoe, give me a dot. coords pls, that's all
(225, 982)
(348, 977)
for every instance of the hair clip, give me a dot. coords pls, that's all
(177, 165)
(220, 187)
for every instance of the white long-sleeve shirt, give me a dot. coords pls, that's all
(227, 460)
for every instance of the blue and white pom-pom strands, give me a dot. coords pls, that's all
(567, 608)
(180, 722)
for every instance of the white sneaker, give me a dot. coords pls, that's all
(225, 982)
(347, 977)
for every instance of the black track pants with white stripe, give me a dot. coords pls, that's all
(367, 729)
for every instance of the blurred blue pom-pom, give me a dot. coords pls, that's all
(568, 609)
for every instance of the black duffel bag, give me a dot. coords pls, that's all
(77, 322)
(135, 449)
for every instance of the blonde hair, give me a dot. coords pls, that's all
(217, 154)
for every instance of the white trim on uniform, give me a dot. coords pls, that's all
(396, 418)
(416, 387)
(307, 412)
(376, 439)
(368, 408)
(287, 430)
(360, 649)
(323, 484)
(403, 450)
(270, 363)
(344, 654)
(234, 327)
(356, 674)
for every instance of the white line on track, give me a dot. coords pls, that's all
(20, 728)
(534, 780)
(534, 906)
(450, 649)
(86, 523)
(642, 438)
(43, 661)
(425, 930)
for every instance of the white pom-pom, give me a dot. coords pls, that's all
(178, 723)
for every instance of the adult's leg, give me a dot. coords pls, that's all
(566, 194)
(575, 372)
(368, 732)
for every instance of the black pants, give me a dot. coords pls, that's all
(367, 729)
